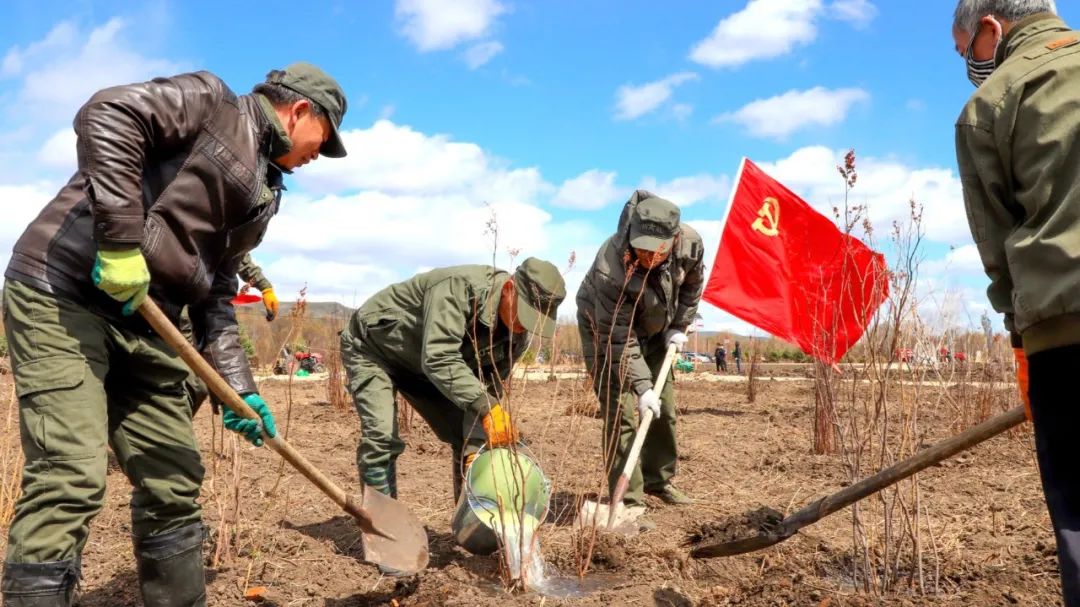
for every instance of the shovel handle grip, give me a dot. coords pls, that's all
(172, 336)
(642, 430)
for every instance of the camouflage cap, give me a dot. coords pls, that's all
(317, 85)
(654, 224)
(540, 289)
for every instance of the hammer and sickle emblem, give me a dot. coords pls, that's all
(768, 221)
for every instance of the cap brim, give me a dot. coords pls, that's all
(533, 320)
(651, 243)
(333, 148)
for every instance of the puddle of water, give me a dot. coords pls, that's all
(525, 561)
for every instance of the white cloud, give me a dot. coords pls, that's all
(328, 280)
(397, 159)
(635, 101)
(857, 12)
(766, 29)
(685, 191)
(593, 189)
(763, 30)
(62, 35)
(479, 54)
(779, 116)
(64, 69)
(404, 200)
(682, 111)
(885, 186)
(959, 263)
(435, 25)
(19, 204)
(58, 152)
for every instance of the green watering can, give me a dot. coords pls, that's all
(500, 476)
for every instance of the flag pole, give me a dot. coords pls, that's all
(727, 211)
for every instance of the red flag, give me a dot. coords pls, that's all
(786, 269)
(242, 299)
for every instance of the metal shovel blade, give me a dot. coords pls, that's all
(593, 514)
(741, 545)
(407, 551)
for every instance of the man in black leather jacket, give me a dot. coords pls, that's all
(177, 180)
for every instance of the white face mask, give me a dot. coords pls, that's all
(979, 71)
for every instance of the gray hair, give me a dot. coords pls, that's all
(969, 12)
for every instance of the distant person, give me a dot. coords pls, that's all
(1017, 141)
(721, 358)
(638, 297)
(737, 355)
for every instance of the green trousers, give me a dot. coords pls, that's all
(657, 464)
(374, 384)
(196, 389)
(84, 382)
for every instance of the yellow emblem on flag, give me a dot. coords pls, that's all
(768, 221)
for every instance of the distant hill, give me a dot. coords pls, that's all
(315, 309)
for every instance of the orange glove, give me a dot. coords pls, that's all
(498, 427)
(270, 302)
(1022, 379)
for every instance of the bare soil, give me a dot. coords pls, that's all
(737, 527)
(992, 538)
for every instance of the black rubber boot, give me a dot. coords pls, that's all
(171, 568)
(40, 584)
(457, 463)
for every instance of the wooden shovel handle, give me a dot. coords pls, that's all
(899, 471)
(172, 336)
(623, 483)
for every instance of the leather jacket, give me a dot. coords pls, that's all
(180, 168)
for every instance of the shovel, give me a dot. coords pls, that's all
(618, 518)
(393, 537)
(817, 510)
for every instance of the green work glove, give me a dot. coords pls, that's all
(124, 276)
(252, 429)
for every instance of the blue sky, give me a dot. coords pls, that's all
(549, 113)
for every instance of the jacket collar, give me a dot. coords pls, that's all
(279, 142)
(1024, 30)
(487, 313)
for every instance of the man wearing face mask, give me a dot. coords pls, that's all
(640, 295)
(177, 179)
(1018, 149)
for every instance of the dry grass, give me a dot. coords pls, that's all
(11, 459)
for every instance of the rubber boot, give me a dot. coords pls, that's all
(40, 584)
(381, 478)
(457, 465)
(171, 572)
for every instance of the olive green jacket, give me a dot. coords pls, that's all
(251, 273)
(619, 310)
(1018, 149)
(443, 325)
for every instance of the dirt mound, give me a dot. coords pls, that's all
(755, 522)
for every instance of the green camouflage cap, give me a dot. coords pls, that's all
(654, 224)
(540, 289)
(317, 85)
